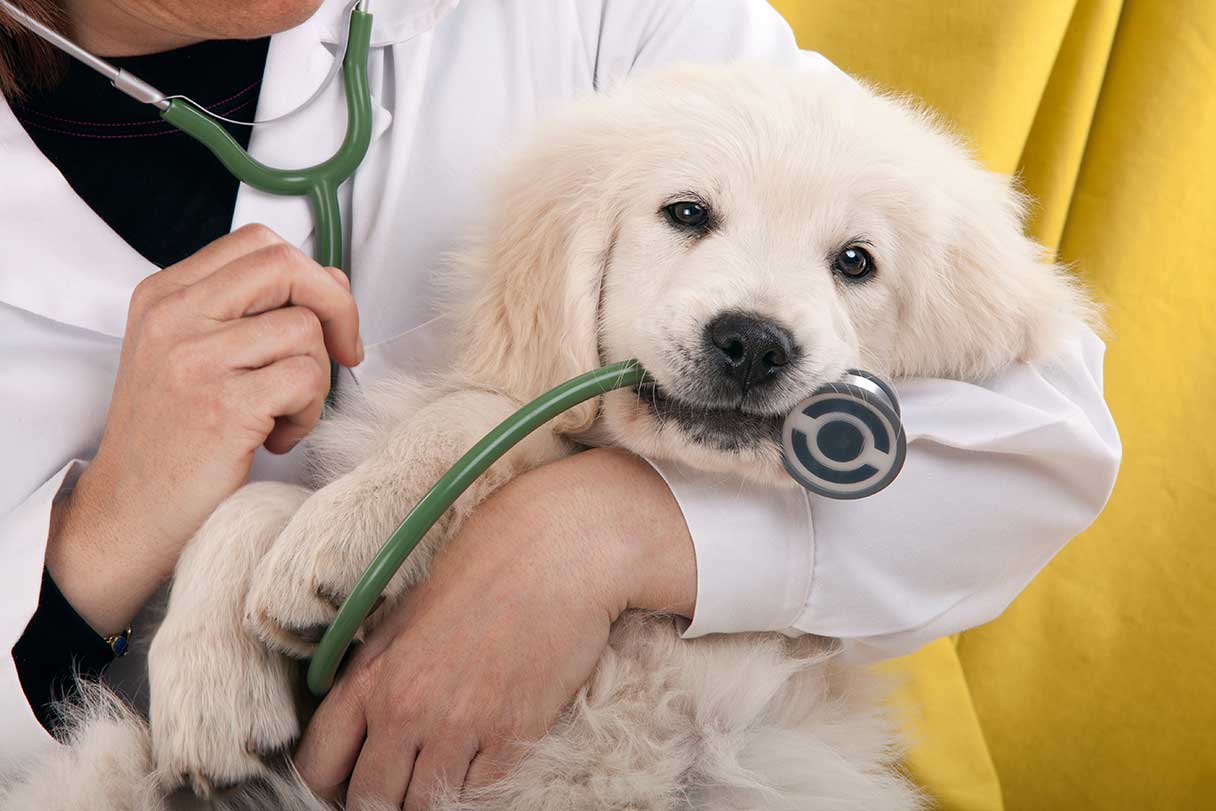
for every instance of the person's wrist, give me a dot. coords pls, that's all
(625, 530)
(552, 514)
(102, 557)
(661, 566)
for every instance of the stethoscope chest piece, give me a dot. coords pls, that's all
(846, 440)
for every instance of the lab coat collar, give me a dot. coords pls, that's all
(71, 267)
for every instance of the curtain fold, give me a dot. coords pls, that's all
(1097, 688)
(1051, 157)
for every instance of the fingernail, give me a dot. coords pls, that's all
(359, 346)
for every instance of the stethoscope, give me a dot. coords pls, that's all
(319, 183)
(845, 441)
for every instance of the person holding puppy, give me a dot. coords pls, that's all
(166, 337)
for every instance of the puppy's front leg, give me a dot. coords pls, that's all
(220, 699)
(315, 562)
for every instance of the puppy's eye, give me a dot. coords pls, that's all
(688, 214)
(854, 263)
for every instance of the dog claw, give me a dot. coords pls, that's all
(297, 642)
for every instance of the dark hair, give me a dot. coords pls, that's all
(26, 62)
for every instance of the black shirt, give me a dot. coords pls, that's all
(167, 196)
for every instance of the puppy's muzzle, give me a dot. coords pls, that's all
(748, 353)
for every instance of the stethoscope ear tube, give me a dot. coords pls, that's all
(846, 441)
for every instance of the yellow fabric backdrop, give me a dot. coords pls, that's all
(1097, 688)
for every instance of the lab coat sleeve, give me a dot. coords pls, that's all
(23, 532)
(998, 477)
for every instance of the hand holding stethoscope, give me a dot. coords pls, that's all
(224, 352)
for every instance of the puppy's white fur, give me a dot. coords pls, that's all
(582, 268)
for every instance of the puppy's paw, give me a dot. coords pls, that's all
(222, 705)
(313, 565)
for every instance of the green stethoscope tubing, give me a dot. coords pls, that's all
(354, 610)
(318, 183)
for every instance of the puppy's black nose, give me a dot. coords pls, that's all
(748, 349)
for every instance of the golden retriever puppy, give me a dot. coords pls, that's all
(748, 233)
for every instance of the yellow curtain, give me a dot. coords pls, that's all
(1097, 688)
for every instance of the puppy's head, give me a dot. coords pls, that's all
(749, 233)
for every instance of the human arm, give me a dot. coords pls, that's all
(545, 565)
(223, 353)
(999, 476)
(530, 585)
(184, 420)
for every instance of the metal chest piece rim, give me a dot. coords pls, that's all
(846, 440)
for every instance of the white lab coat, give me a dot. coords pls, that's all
(998, 477)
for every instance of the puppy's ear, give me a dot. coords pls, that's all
(993, 296)
(532, 321)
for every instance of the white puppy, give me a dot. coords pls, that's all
(748, 233)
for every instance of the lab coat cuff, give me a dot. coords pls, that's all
(754, 549)
(23, 536)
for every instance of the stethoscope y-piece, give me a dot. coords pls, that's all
(318, 184)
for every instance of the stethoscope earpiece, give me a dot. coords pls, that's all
(846, 440)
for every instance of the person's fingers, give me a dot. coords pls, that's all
(291, 388)
(488, 766)
(331, 742)
(342, 278)
(204, 262)
(274, 277)
(382, 773)
(289, 431)
(223, 251)
(438, 768)
(259, 340)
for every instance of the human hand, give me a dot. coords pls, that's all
(511, 623)
(223, 352)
